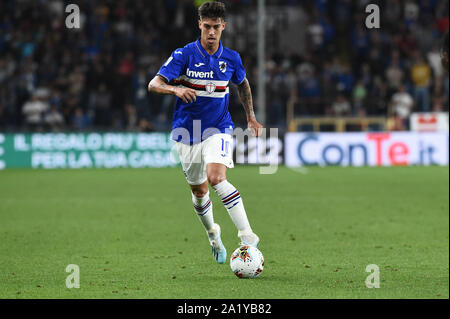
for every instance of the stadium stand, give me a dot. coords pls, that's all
(95, 78)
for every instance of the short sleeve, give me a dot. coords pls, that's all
(239, 72)
(173, 66)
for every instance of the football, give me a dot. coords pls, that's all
(247, 262)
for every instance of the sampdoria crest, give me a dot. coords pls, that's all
(222, 66)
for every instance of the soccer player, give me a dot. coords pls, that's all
(199, 75)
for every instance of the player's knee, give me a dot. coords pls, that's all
(199, 193)
(215, 179)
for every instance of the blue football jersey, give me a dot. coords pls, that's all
(209, 75)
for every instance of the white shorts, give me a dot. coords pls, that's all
(217, 148)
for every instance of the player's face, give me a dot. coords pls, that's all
(211, 30)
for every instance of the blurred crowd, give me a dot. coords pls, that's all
(95, 77)
(351, 70)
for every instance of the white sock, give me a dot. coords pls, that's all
(232, 201)
(204, 211)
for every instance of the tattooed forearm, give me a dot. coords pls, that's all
(245, 94)
(157, 85)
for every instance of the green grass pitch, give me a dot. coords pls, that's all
(134, 234)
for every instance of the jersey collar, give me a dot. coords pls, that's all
(203, 51)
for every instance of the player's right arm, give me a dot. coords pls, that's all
(170, 70)
(158, 85)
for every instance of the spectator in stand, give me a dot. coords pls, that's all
(359, 95)
(346, 80)
(439, 100)
(421, 77)
(315, 34)
(360, 45)
(400, 108)
(329, 89)
(76, 81)
(366, 77)
(54, 120)
(309, 91)
(375, 62)
(132, 120)
(377, 103)
(391, 17)
(145, 125)
(328, 31)
(141, 100)
(406, 43)
(79, 120)
(411, 12)
(394, 73)
(100, 103)
(34, 110)
(434, 60)
(341, 106)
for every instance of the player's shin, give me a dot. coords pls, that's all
(233, 203)
(204, 211)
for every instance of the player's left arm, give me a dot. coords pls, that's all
(245, 94)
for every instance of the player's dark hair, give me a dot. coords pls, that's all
(212, 9)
